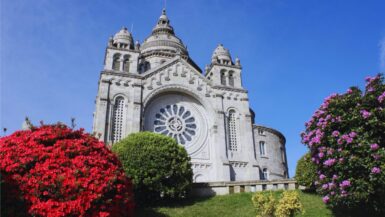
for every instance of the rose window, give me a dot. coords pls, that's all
(177, 122)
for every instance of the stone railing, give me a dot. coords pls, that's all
(223, 188)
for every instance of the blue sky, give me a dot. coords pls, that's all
(293, 53)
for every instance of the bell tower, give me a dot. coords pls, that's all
(121, 53)
(222, 70)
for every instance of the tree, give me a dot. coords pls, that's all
(346, 138)
(56, 171)
(157, 165)
(306, 172)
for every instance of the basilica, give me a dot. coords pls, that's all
(156, 86)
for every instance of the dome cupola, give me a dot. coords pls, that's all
(123, 39)
(163, 40)
(221, 55)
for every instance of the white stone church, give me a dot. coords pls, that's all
(156, 86)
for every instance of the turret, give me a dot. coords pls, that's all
(222, 70)
(121, 53)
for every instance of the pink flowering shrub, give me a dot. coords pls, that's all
(346, 138)
(55, 171)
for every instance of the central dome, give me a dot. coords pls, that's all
(163, 40)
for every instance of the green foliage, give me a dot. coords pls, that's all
(268, 205)
(289, 205)
(347, 143)
(306, 172)
(158, 167)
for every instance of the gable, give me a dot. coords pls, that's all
(176, 71)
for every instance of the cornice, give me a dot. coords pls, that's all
(125, 74)
(271, 130)
(220, 87)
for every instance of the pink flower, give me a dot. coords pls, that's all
(345, 137)
(322, 177)
(352, 134)
(340, 141)
(316, 140)
(374, 146)
(335, 133)
(381, 98)
(376, 170)
(365, 114)
(349, 140)
(376, 156)
(320, 155)
(331, 185)
(349, 91)
(325, 199)
(330, 151)
(325, 186)
(330, 162)
(345, 183)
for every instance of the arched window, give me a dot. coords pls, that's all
(126, 63)
(262, 148)
(231, 78)
(145, 66)
(232, 130)
(223, 77)
(117, 119)
(265, 174)
(116, 62)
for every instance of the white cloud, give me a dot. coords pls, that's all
(382, 55)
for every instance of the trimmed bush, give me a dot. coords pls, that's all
(346, 138)
(306, 172)
(264, 203)
(157, 165)
(289, 205)
(286, 205)
(56, 171)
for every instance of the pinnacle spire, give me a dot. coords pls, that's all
(163, 24)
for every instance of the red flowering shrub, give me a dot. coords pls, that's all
(61, 172)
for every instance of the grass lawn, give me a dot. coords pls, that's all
(234, 205)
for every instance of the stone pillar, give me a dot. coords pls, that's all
(258, 188)
(218, 142)
(101, 119)
(292, 186)
(136, 124)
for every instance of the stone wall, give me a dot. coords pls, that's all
(223, 188)
(273, 158)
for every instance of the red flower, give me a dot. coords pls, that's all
(61, 172)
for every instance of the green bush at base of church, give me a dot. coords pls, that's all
(306, 172)
(158, 166)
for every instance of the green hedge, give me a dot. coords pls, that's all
(306, 172)
(158, 166)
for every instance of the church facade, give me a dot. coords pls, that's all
(156, 86)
